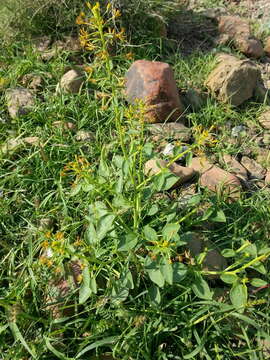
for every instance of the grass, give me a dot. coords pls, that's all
(118, 282)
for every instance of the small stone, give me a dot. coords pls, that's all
(267, 46)
(264, 119)
(221, 181)
(153, 82)
(45, 224)
(266, 139)
(234, 166)
(71, 82)
(83, 135)
(250, 47)
(20, 101)
(64, 124)
(255, 170)
(154, 166)
(168, 151)
(11, 145)
(233, 81)
(31, 140)
(239, 131)
(175, 131)
(263, 157)
(32, 81)
(42, 43)
(213, 260)
(267, 178)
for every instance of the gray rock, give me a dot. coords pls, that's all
(255, 170)
(20, 101)
(71, 82)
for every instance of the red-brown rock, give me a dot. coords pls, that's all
(154, 83)
(217, 179)
(250, 47)
(234, 26)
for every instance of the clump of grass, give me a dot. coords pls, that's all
(110, 274)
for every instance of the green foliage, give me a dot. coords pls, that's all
(112, 276)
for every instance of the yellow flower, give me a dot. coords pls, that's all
(116, 13)
(59, 235)
(130, 56)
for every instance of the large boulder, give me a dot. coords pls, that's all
(233, 81)
(153, 82)
(20, 101)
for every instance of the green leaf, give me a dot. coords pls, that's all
(18, 336)
(57, 353)
(106, 341)
(75, 189)
(227, 253)
(259, 267)
(179, 272)
(258, 282)
(91, 235)
(153, 270)
(170, 181)
(166, 271)
(126, 279)
(238, 295)
(218, 216)
(201, 288)
(153, 210)
(85, 290)
(118, 161)
(170, 230)
(104, 225)
(154, 295)
(150, 233)
(103, 169)
(128, 242)
(229, 278)
(93, 285)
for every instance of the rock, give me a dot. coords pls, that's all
(45, 224)
(263, 157)
(42, 43)
(239, 131)
(264, 345)
(174, 131)
(71, 82)
(233, 81)
(216, 179)
(31, 140)
(233, 166)
(153, 82)
(222, 40)
(238, 31)
(267, 178)
(234, 26)
(264, 119)
(200, 164)
(255, 170)
(266, 138)
(11, 145)
(83, 135)
(221, 182)
(168, 150)
(251, 47)
(267, 46)
(67, 125)
(32, 81)
(213, 260)
(154, 166)
(20, 101)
